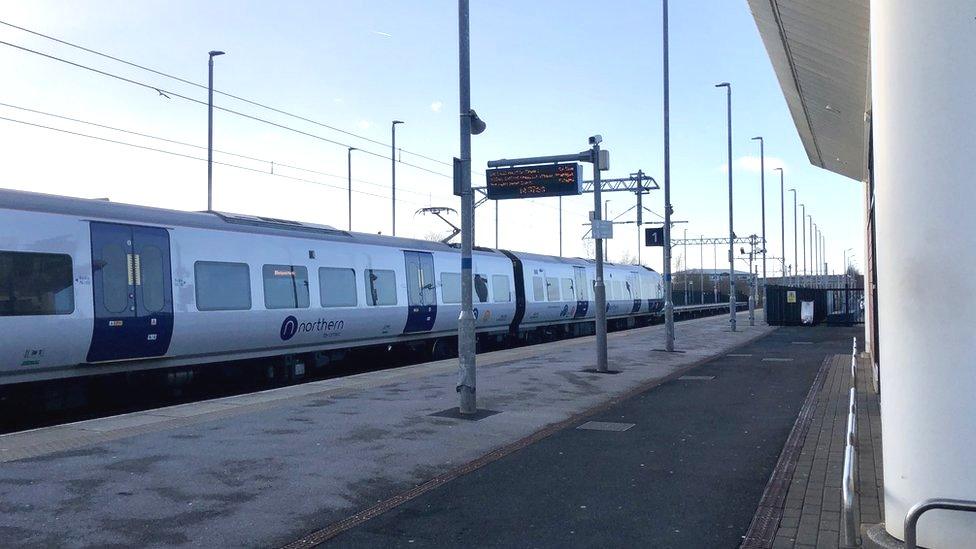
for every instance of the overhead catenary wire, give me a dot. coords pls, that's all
(226, 94)
(170, 93)
(274, 163)
(230, 111)
(191, 157)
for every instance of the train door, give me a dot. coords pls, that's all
(633, 284)
(132, 290)
(582, 291)
(421, 294)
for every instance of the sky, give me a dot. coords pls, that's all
(545, 76)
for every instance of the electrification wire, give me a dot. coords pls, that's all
(191, 157)
(226, 94)
(168, 93)
(185, 144)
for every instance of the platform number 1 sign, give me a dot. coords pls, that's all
(654, 236)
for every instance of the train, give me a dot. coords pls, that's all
(90, 287)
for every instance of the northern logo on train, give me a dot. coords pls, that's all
(291, 326)
(565, 310)
(288, 328)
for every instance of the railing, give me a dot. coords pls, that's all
(915, 513)
(850, 515)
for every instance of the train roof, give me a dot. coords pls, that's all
(101, 209)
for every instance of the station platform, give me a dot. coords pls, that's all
(675, 450)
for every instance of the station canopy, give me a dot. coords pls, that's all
(820, 52)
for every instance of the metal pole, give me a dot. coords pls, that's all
(668, 302)
(466, 384)
(210, 66)
(782, 221)
(684, 273)
(752, 289)
(795, 269)
(496, 224)
(701, 269)
(810, 226)
(762, 191)
(606, 215)
(349, 167)
(560, 225)
(803, 219)
(715, 272)
(393, 126)
(728, 97)
(599, 289)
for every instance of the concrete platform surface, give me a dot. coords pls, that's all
(685, 469)
(266, 469)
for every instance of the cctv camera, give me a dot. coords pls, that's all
(596, 140)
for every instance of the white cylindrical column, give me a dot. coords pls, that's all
(923, 70)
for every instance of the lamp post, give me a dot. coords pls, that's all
(782, 219)
(668, 300)
(803, 219)
(393, 126)
(349, 181)
(684, 275)
(762, 191)
(795, 248)
(810, 226)
(816, 256)
(728, 109)
(212, 54)
(701, 269)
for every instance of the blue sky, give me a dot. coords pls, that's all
(545, 76)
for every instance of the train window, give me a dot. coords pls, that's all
(569, 293)
(35, 284)
(337, 287)
(552, 288)
(150, 263)
(618, 290)
(480, 288)
(285, 287)
(380, 287)
(116, 278)
(538, 288)
(222, 286)
(451, 287)
(501, 292)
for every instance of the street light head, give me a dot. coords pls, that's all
(215, 53)
(353, 149)
(723, 85)
(395, 122)
(758, 137)
(477, 124)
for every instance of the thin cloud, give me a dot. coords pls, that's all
(383, 34)
(364, 124)
(436, 106)
(752, 164)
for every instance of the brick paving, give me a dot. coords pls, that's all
(811, 515)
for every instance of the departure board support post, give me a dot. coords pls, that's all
(554, 176)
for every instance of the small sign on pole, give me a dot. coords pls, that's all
(654, 236)
(602, 228)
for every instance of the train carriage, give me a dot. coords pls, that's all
(89, 286)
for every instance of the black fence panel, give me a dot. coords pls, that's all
(783, 305)
(836, 306)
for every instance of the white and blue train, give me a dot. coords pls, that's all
(93, 287)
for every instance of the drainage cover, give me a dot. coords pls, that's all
(605, 426)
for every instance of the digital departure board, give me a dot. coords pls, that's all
(534, 181)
